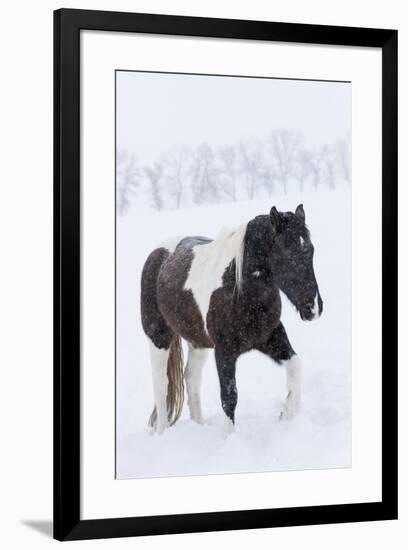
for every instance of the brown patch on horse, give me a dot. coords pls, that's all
(153, 322)
(177, 305)
(238, 322)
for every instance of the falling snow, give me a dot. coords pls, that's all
(320, 436)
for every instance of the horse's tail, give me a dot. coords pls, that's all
(175, 388)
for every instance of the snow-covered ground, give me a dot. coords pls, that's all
(320, 437)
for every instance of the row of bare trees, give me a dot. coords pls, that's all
(184, 176)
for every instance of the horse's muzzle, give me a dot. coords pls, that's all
(312, 311)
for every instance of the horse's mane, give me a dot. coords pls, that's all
(234, 239)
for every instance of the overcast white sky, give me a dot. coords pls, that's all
(156, 111)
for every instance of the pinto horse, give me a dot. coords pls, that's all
(225, 294)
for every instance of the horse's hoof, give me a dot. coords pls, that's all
(229, 427)
(290, 409)
(161, 427)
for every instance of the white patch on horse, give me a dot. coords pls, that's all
(302, 241)
(228, 426)
(192, 375)
(256, 273)
(315, 308)
(209, 263)
(294, 387)
(171, 243)
(159, 359)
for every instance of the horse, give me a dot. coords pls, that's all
(225, 294)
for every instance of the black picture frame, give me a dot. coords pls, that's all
(67, 26)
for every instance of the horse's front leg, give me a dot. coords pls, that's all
(279, 349)
(226, 363)
(294, 386)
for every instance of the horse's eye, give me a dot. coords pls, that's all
(304, 245)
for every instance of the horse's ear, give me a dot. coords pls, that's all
(276, 220)
(300, 213)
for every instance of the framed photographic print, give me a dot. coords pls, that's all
(225, 273)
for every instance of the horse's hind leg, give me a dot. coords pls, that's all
(193, 376)
(279, 349)
(165, 348)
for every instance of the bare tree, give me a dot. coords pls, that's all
(251, 160)
(284, 146)
(315, 168)
(343, 158)
(229, 169)
(177, 166)
(305, 165)
(205, 174)
(154, 175)
(268, 178)
(328, 158)
(127, 179)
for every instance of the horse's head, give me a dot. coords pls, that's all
(293, 262)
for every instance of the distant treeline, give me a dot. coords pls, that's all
(184, 176)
